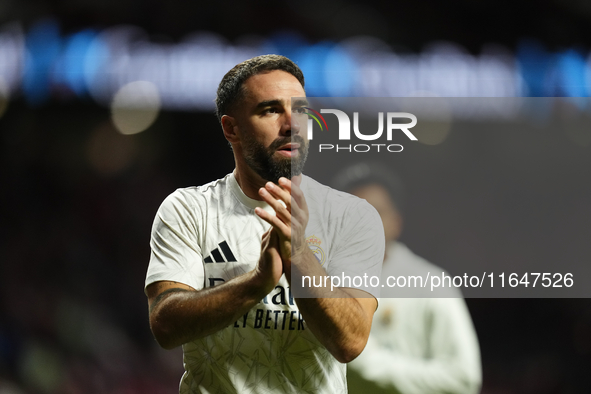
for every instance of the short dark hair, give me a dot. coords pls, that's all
(230, 89)
(372, 173)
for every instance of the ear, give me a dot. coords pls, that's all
(230, 127)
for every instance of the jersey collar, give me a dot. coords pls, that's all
(244, 199)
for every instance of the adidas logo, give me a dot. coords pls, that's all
(221, 254)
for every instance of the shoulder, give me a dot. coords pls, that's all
(335, 202)
(194, 197)
(352, 225)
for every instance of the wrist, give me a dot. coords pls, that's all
(261, 283)
(300, 252)
(302, 262)
(299, 247)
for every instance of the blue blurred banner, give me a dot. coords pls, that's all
(43, 63)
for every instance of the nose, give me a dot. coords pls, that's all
(291, 124)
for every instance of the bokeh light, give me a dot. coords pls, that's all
(135, 107)
(435, 114)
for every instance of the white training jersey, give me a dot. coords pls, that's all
(203, 236)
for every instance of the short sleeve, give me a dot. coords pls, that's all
(175, 248)
(359, 248)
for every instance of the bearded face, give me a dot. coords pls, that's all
(270, 165)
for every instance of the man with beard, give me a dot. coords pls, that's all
(227, 256)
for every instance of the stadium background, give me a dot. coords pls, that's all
(78, 196)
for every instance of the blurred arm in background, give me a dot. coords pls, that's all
(417, 345)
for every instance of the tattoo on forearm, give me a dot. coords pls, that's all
(164, 295)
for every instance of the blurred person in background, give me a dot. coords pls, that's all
(219, 280)
(417, 345)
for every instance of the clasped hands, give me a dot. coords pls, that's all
(286, 237)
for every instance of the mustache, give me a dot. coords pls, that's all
(279, 142)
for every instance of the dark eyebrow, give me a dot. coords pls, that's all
(300, 103)
(268, 103)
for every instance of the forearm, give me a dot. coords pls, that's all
(340, 324)
(337, 319)
(445, 359)
(182, 316)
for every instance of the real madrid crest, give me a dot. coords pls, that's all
(314, 245)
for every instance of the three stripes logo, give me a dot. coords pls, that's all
(221, 254)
